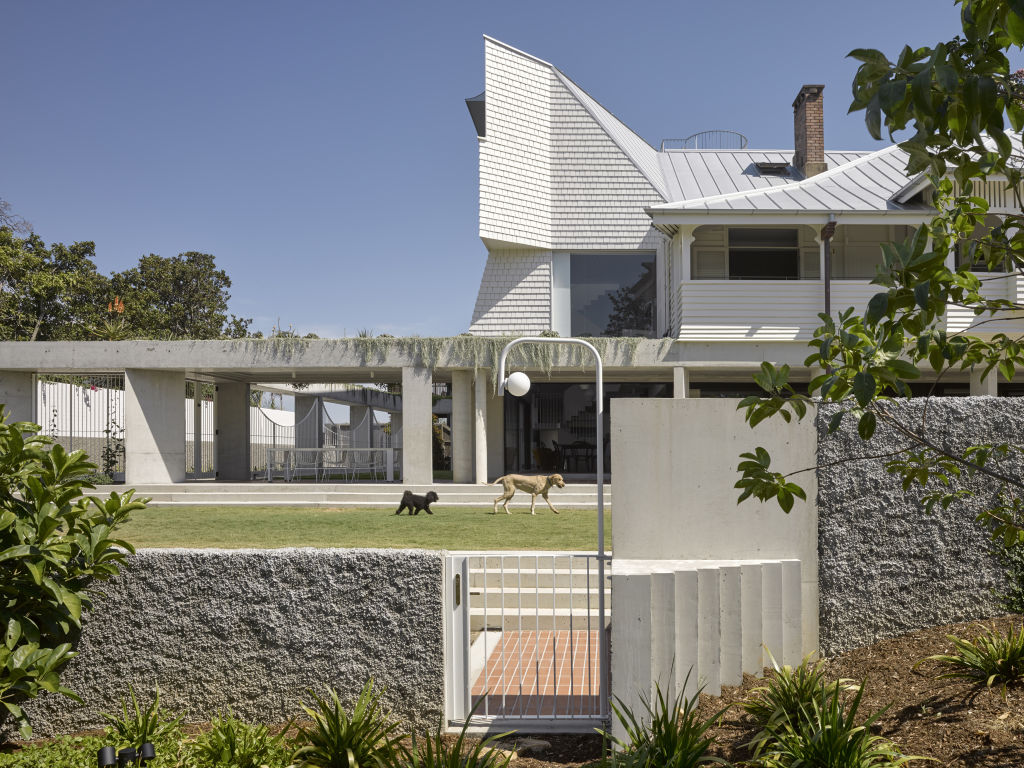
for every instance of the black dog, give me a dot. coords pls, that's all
(415, 503)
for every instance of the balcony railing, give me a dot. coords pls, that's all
(787, 310)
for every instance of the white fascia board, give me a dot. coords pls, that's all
(662, 219)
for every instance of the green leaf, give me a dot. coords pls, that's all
(877, 307)
(866, 425)
(864, 388)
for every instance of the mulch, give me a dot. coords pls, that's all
(956, 723)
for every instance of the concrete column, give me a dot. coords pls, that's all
(18, 395)
(686, 632)
(680, 381)
(792, 606)
(631, 643)
(771, 611)
(709, 630)
(231, 419)
(154, 429)
(987, 387)
(495, 432)
(731, 658)
(417, 446)
(751, 591)
(663, 631)
(481, 391)
(360, 422)
(308, 428)
(463, 420)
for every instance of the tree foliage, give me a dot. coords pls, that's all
(55, 293)
(47, 293)
(960, 111)
(54, 546)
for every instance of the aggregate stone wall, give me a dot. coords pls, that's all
(885, 567)
(253, 630)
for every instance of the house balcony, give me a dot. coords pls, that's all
(787, 310)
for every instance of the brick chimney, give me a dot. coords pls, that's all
(809, 131)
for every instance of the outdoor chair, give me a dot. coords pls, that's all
(279, 462)
(335, 464)
(368, 462)
(306, 460)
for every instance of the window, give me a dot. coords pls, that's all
(612, 294)
(764, 254)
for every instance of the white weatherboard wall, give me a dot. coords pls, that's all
(743, 577)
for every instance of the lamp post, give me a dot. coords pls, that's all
(125, 757)
(518, 384)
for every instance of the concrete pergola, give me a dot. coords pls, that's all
(155, 374)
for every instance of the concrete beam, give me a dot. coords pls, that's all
(154, 433)
(463, 420)
(417, 435)
(18, 394)
(231, 417)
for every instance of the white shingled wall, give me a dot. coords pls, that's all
(515, 294)
(598, 195)
(551, 179)
(515, 156)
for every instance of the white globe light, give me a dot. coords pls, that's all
(517, 384)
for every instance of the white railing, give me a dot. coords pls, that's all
(787, 310)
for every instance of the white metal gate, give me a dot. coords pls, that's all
(526, 639)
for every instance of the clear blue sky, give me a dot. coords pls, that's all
(322, 151)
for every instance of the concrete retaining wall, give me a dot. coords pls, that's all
(253, 630)
(886, 567)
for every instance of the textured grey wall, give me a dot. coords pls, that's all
(885, 567)
(253, 630)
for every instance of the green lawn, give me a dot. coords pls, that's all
(453, 528)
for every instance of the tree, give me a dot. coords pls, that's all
(184, 296)
(12, 221)
(55, 546)
(966, 110)
(47, 293)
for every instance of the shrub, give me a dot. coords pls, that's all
(62, 752)
(435, 752)
(136, 726)
(992, 658)
(788, 694)
(828, 735)
(336, 739)
(1012, 560)
(670, 736)
(54, 545)
(238, 744)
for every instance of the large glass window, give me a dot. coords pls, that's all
(613, 294)
(764, 254)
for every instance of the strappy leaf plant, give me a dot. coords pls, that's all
(366, 738)
(234, 742)
(993, 658)
(437, 752)
(137, 725)
(666, 734)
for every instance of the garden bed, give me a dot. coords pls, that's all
(952, 721)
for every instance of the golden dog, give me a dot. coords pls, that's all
(535, 485)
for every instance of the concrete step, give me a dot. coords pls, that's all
(531, 580)
(528, 600)
(558, 619)
(583, 496)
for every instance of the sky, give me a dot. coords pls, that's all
(322, 151)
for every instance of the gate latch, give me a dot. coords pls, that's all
(458, 589)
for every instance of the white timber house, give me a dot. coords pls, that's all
(591, 231)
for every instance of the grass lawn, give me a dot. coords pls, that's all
(455, 528)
